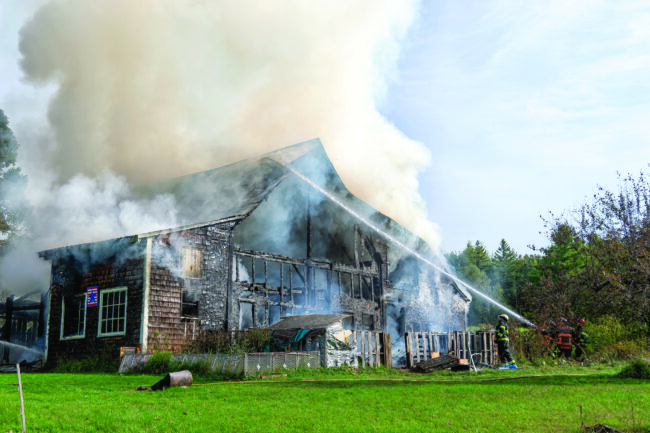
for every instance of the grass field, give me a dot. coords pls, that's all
(524, 400)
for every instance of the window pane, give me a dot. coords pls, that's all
(346, 282)
(113, 312)
(245, 315)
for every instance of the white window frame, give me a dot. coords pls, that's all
(101, 311)
(78, 336)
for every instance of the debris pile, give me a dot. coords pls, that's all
(438, 363)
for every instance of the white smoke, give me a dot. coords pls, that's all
(150, 90)
(156, 89)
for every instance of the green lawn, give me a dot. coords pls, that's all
(524, 400)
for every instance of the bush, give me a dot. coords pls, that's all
(159, 363)
(529, 345)
(638, 369)
(255, 340)
(610, 339)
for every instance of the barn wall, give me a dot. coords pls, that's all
(105, 276)
(207, 285)
(256, 286)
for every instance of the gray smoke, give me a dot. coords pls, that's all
(150, 90)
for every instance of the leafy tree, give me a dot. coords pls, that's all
(555, 284)
(617, 227)
(11, 182)
(598, 264)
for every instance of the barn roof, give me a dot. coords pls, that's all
(236, 190)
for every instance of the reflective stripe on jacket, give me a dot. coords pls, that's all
(502, 331)
(564, 337)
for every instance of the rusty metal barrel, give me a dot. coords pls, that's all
(179, 378)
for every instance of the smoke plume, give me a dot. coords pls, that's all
(156, 89)
(150, 90)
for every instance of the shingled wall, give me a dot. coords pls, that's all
(105, 276)
(166, 330)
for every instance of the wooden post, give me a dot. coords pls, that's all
(448, 342)
(409, 352)
(388, 355)
(20, 390)
(361, 348)
(281, 285)
(266, 279)
(377, 350)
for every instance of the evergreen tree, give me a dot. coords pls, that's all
(474, 266)
(508, 269)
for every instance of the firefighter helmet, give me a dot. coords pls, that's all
(504, 317)
(552, 323)
(564, 320)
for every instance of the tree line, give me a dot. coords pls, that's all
(597, 265)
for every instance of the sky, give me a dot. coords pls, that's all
(526, 108)
(479, 115)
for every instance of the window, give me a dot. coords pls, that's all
(192, 262)
(189, 304)
(260, 316)
(346, 281)
(73, 317)
(112, 312)
(348, 322)
(368, 322)
(275, 312)
(245, 315)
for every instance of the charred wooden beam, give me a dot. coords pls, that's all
(320, 264)
(356, 246)
(308, 226)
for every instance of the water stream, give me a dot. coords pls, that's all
(406, 247)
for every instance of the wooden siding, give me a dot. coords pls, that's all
(105, 276)
(165, 331)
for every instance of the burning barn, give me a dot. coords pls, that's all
(262, 239)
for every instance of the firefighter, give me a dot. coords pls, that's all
(564, 339)
(503, 342)
(550, 335)
(580, 339)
